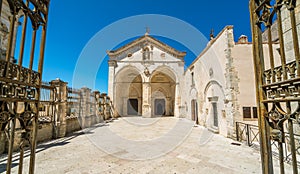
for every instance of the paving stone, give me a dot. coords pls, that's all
(83, 154)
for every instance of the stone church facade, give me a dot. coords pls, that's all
(147, 78)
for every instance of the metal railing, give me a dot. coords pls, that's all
(249, 134)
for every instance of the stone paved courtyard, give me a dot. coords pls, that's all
(139, 145)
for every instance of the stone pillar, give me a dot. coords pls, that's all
(231, 88)
(113, 110)
(177, 101)
(140, 105)
(97, 106)
(93, 107)
(111, 78)
(107, 114)
(102, 105)
(53, 94)
(168, 105)
(47, 109)
(124, 106)
(85, 107)
(60, 124)
(146, 112)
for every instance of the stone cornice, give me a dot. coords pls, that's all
(150, 40)
(149, 62)
(211, 43)
(112, 63)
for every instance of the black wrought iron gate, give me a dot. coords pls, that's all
(20, 86)
(277, 70)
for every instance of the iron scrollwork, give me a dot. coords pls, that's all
(295, 116)
(276, 119)
(266, 10)
(283, 91)
(265, 13)
(4, 117)
(20, 86)
(277, 87)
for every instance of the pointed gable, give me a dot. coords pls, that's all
(140, 43)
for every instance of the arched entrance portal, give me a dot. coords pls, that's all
(128, 90)
(162, 94)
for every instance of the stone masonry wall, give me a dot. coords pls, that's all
(62, 124)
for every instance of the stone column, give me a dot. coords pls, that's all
(177, 101)
(107, 114)
(102, 106)
(93, 107)
(60, 124)
(111, 79)
(53, 96)
(140, 105)
(231, 88)
(97, 106)
(168, 105)
(85, 106)
(124, 106)
(146, 112)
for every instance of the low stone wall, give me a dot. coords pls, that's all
(89, 121)
(47, 131)
(73, 125)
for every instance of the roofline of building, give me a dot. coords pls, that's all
(179, 54)
(210, 44)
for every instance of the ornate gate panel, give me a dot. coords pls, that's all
(20, 86)
(277, 79)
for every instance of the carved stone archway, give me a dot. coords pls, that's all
(162, 94)
(128, 88)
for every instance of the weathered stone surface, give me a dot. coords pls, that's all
(200, 152)
(146, 80)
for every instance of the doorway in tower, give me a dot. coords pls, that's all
(160, 107)
(132, 107)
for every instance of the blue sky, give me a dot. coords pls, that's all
(73, 23)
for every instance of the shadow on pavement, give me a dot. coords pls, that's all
(46, 145)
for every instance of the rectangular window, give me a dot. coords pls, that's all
(254, 109)
(247, 112)
(193, 81)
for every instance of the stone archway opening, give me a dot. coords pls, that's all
(162, 94)
(128, 90)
